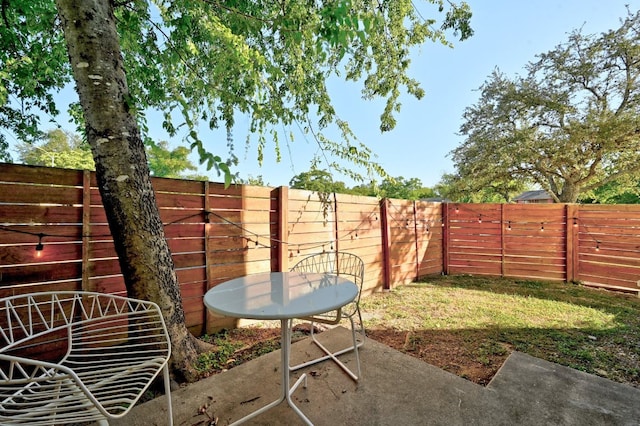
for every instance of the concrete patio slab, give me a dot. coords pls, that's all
(397, 389)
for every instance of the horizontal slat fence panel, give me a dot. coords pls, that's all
(595, 244)
(359, 232)
(609, 241)
(40, 205)
(239, 239)
(474, 235)
(535, 241)
(515, 240)
(311, 228)
(402, 247)
(428, 231)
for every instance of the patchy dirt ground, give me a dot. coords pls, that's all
(446, 351)
(450, 352)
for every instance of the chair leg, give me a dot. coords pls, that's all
(356, 344)
(333, 355)
(167, 392)
(361, 329)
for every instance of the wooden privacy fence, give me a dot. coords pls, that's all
(214, 234)
(598, 245)
(218, 233)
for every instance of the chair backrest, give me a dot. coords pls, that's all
(343, 264)
(40, 322)
(77, 355)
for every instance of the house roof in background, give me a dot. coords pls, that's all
(539, 194)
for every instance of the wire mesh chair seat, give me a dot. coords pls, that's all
(71, 357)
(351, 267)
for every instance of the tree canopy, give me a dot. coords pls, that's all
(317, 180)
(166, 162)
(60, 149)
(403, 188)
(322, 182)
(203, 63)
(571, 125)
(478, 190)
(69, 151)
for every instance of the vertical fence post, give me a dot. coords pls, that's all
(502, 241)
(281, 229)
(86, 227)
(445, 238)
(386, 262)
(207, 252)
(572, 249)
(415, 239)
(207, 232)
(336, 237)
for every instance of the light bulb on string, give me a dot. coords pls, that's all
(479, 218)
(39, 246)
(541, 226)
(508, 225)
(597, 245)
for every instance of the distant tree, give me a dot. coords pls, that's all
(613, 193)
(5, 156)
(367, 189)
(251, 180)
(406, 189)
(570, 126)
(320, 181)
(164, 162)
(469, 190)
(60, 149)
(69, 151)
(195, 176)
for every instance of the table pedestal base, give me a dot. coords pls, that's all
(285, 333)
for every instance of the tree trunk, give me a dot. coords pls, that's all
(121, 168)
(570, 193)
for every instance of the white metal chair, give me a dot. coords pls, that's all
(70, 357)
(351, 267)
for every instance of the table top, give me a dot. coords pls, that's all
(280, 295)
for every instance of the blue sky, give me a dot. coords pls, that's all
(508, 34)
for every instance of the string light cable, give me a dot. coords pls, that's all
(573, 221)
(401, 221)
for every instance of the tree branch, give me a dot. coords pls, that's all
(5, 6)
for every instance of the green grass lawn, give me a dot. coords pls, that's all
(480, 320)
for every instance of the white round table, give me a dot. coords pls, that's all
(280, 296)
